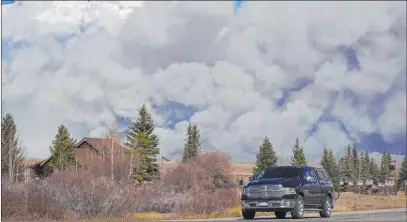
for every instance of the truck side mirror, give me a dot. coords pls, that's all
(307, 179)
(251, 178)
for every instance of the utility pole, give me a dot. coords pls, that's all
(395, 176)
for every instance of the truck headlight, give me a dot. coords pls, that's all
(289, 190)
(245, 190)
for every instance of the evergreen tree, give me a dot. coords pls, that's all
(298, 157)
(328, 162)
(335, 170)
(374, 171)
(266, 156)
(349, 169)
(366, 167)
(188, 144)
(355, 162)
(196, 141)
(384, 167)
(325, 161)
(144, 145)
(342, 167)
(402, 173)
(63, 149)
(192, 145)
(11, 151)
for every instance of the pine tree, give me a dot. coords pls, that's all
(355, 162)
(144, 145)
(384, 168)
(187, 145)
(298, 157)
(192, 145)
(63, 149)
(266, 156)
(196, 141)
(342, 167)
(366, 167)
(328, 162)
(402, 173)
(11, 151)
(349, 169)
(374, 171)
(335, 170)
(325, 161)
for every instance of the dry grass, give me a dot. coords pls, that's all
(354, 202)
(147, 216)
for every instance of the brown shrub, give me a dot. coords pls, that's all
(200, 187)
(209, 171)
(87, 196)
(219, 166)
(188, 176)
(29, 202)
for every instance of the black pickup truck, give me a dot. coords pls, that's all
(285, 189)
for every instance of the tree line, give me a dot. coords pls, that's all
(352, 166)
(144, 146)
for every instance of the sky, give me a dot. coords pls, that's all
(329, 73)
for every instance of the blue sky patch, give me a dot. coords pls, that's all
(175, 112)
(7, 2)
(298, 85)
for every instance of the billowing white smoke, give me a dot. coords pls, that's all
(233, 70)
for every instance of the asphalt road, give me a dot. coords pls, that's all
(398, 215)
(365, 216)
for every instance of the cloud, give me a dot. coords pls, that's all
(328, 72)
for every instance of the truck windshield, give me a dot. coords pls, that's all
(279, 172)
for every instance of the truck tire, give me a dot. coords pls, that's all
(248, 215)
(280, 214)
(326, 208)
(298, 211)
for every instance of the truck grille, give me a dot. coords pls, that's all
(265, 191)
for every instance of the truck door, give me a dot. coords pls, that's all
(326, 184)
(312, 188)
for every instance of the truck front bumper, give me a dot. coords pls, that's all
(268, 205)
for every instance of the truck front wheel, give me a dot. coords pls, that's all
(327, 208)
(248, 215)
(298, 211)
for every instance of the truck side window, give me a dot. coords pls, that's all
(321, 175)
(310, 172)
(260, 174)
(327, 177)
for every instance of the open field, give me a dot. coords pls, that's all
(353, 202)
